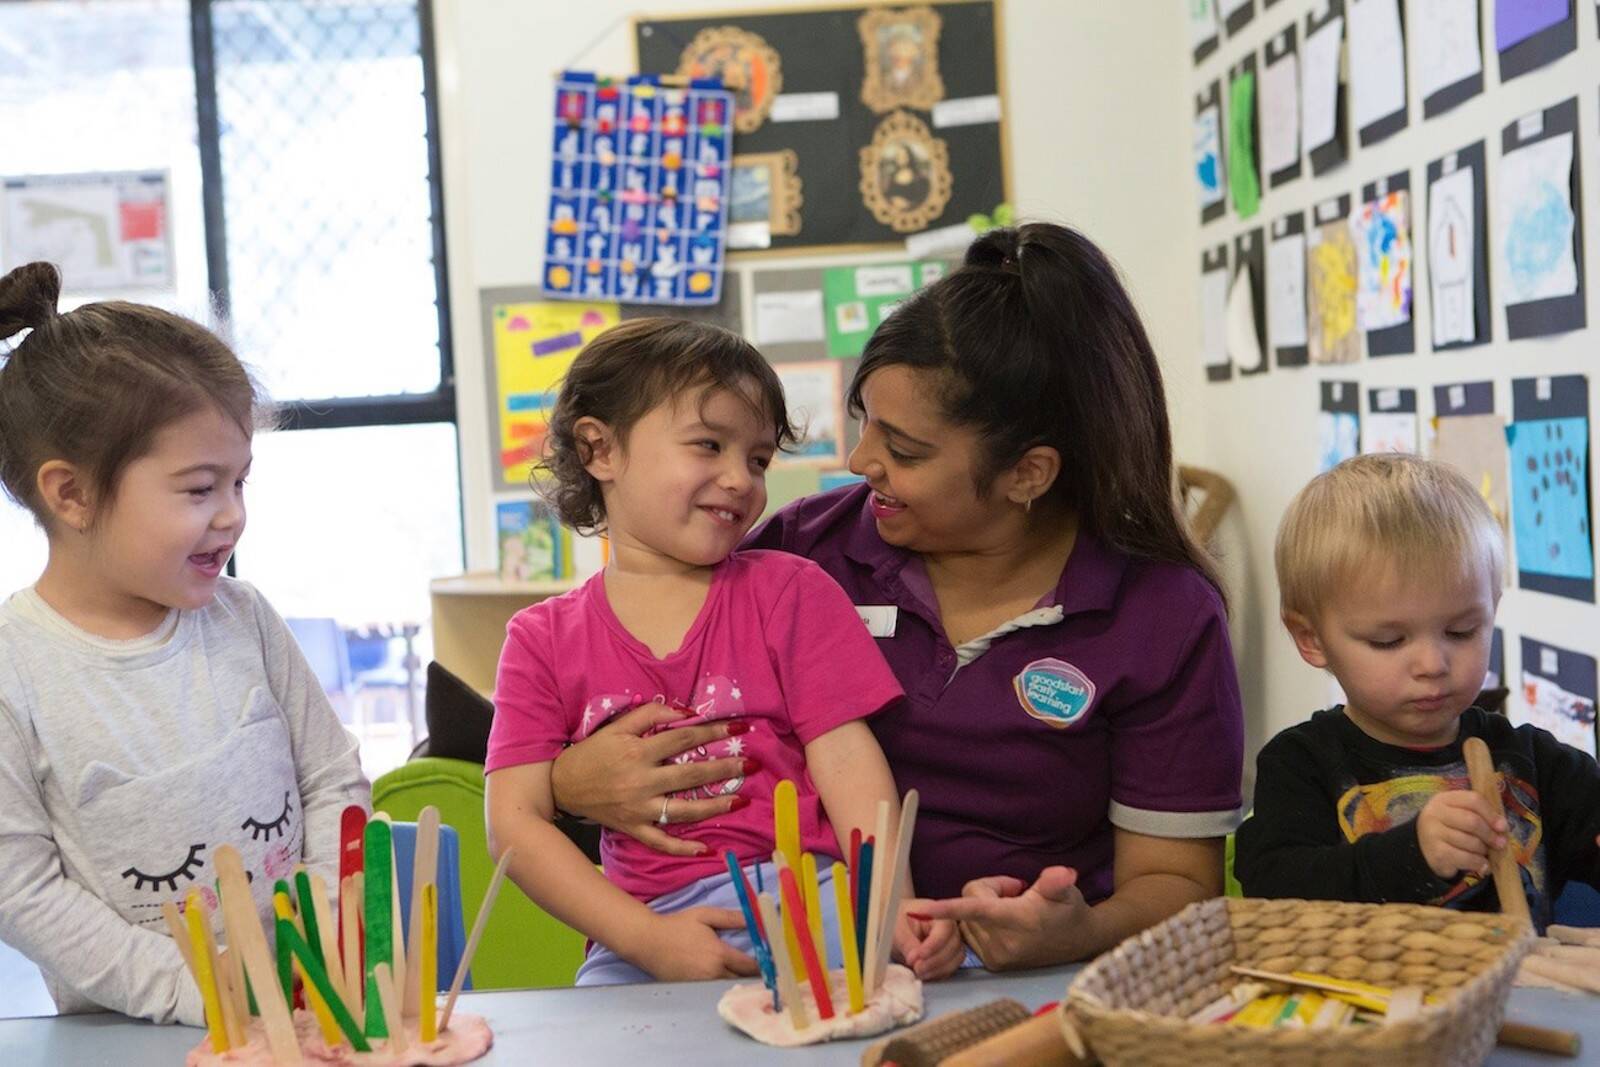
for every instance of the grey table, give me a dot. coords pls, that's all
(647, 1026)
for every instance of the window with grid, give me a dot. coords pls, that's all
(300, 140)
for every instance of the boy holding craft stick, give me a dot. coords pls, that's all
(1390, 568)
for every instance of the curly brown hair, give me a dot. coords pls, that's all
(624, 373)
(96, 385)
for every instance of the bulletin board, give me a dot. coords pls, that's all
(860, 124)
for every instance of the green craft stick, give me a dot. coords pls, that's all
(317, 975)
(308, 914)
(285, 964)
(378, 908)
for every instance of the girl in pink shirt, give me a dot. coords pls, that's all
(661, 438)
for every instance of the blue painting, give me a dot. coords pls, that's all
(1550, 496)
(1208, 155)
(1338, 438)
(1535, 221)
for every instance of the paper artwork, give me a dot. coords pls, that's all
(1380, 231)
(1549, 461)
(1534, 221)
(1445, 39)
(1451, 236)
(1338, 438)
(1286, 297)
(1280, 114)
(1208, 155)
(1242, 180)
(1319, 87)
(1331, 278)
(1377, 61)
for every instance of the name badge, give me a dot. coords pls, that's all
(1054, 692)
(879, 618)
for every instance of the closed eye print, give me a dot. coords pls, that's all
(185, 869)
(263, 831)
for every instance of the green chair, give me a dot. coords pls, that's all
(523, 946)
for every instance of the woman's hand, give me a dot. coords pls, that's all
(1011, 924)
(684, 947)
(932, 948)
(619, 777)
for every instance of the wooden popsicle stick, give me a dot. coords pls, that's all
(205, 973)
(810, 887)
(786, 836)
(882, 852)
(426, 952)
(1574, 935)
(788, 988)
(1503, 861)
(352, 828)
(377, 919)
(1404, 1003)
(317, 981)
(388, 998)
(897, 884)
(180, 936)
(350, 946)
(245, 924)
(232, 1021)
(235, 964)
(847, 939)
(397, 924)
(478, 924)
(424, 870)
(1562, 971)
(328, 940)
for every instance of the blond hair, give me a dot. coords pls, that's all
(1418, 516)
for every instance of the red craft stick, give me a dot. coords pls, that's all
(855, 862)
(750, 895)
(792, 906)
(352, 836)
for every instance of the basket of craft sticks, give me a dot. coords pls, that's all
(1181, 993)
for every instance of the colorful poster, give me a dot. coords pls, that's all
(534, 344)
(533, 544)
(639, 191)
(105, 232)
(1381, 233)
(1534, 221)
(1550, 496)
(857, 299)
(1558, 694)
(1331, 278)
(815, 394)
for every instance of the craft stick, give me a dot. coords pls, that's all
(1585, 954)
(179, 934)
(1538, 1039)
(244, 925)
(308, 913)
(1562, 971)
(853, 861)
(786, 835)
(862, 883)
(847, 939)
(786, 922)
(424, 869)
(1373, 998)
(879, 886)
(244, 1001)
(285, 913)
(384, 992)
(899, 874)
(287, 935)
(232, 1020)
(327, 947)
(1503, 861)
(377, 913)
(204, 977)
(397, 925)
(813, 900)
(350, 945)
(473, 939)
(352, 828)
(321, 984)
(1405, 1003)
(799, 1017)
(747, 896)
(795, 905)
(426, 953)
(1574, 935)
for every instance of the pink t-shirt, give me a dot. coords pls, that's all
(776, 644)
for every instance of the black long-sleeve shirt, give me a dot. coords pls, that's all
(1336, 815)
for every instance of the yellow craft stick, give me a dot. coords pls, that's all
(232, 1021)
(788, 987)
(426, 955)
(473, 938)
(327, 933)
(791, 936)
(847, 937)
(180, 937)
(898, 874)
(424, 869)
(195, 915)
(244, 925)
(330, 1029)
(786, 835)
(813, 897)
(882, 860)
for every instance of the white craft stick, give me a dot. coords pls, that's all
(897, 886)
(473, 939)
(882, 859)
(424, 869)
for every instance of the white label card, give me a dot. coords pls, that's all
(805, 107)
(880, 619)
(1548, 662)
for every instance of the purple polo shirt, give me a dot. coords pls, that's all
(1120, 709)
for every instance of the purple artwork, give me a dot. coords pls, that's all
(1517, 20)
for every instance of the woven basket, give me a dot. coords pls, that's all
(1132, 1004)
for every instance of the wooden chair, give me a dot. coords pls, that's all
(1217, 496)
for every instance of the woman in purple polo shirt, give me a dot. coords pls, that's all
(1072, 717)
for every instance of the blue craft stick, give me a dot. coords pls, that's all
(763, 955)
(760, 887)
(863, 897)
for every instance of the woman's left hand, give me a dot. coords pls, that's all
(1011, 924)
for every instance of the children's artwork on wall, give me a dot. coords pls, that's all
(1209, 167)
(1247, 325)
(1539, 223)
(1244, 182)
(1494, 675)
(815, 394)
(105, 232)
(639, 193)
(531, 343)
(1237, 14)
(1377, 69)
(894, 115)
(1214, 280)
(856, 300)
(1448, 53)
(1391, 422)
(1381, 232)
(1280, 110)
(765, 199)
(901, 49)
(1558, 694)
(1204, 27)
(1549, 458)
(1338, 424)
(1322, 121)
(1531, 33)
(1331, 280)
(1286, 291)
(1458, 261)
(1471, 437)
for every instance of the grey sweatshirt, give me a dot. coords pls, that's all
(125, 764)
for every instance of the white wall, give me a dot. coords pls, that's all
(1261, 431)
(1098, 134)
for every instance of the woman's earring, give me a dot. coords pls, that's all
(1027, 506)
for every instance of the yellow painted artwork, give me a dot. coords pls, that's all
(1331, 277)
(534, 344)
